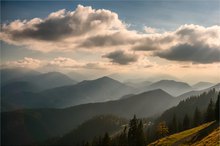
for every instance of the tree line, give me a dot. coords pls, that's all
(136, 134)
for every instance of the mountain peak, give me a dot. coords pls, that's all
(157, 91)
(105, 78)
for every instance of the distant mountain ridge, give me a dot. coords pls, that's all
(170, 86)
(98, 90)
(50, 80)
(198, 92)
(9, 75)
(202, 85)
(42, 80)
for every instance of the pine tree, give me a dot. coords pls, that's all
(132, 137)
(217, 108)
(210, 113)
(180, 126)
(196, 117)
(186, 122)
(173, 126)
(106, 140)
(123, 141)
(140, 135)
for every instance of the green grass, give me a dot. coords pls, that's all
(167, 141)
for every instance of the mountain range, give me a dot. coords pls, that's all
(31, 112)
(23, 88)
(98, 90)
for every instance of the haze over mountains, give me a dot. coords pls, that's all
(202, 85)
(52, 104)
(172, 87)
(23, 88)
(41, 80)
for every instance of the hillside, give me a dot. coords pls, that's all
(198, 92)
(213, 139)
(94, 127)
(189, 105)
(178, 138)
(49, 123)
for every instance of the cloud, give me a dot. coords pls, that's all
(150, 29)
(197, 53)
(61, 27)
(146, 47)
(61, 24)
(120, 57)
(102, 31)
(114, 39)
(26, 62)
(55, 63)
(64, 63)
(97, 66)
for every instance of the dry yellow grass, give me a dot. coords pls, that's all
(213, 139)
(169, 140)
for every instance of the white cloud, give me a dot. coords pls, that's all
(26, 62)
(61, 27)
(102, 31)
(64, 62)
(150, 29)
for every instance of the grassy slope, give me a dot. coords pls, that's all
(169, 140)
(213, 139)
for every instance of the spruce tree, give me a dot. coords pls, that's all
(140, 135)
(180, 126)
(217, 108)
(106, 140)
(196, 117)
(210, 113)
(132, 133)
(186, 122)
(174, 126)
(123, 140)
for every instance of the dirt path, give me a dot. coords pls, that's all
(196, 136)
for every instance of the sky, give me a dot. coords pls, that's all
(126, 39)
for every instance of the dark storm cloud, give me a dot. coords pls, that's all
(121, 57)
(192, 53)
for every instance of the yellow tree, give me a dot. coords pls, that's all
(162, 129)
